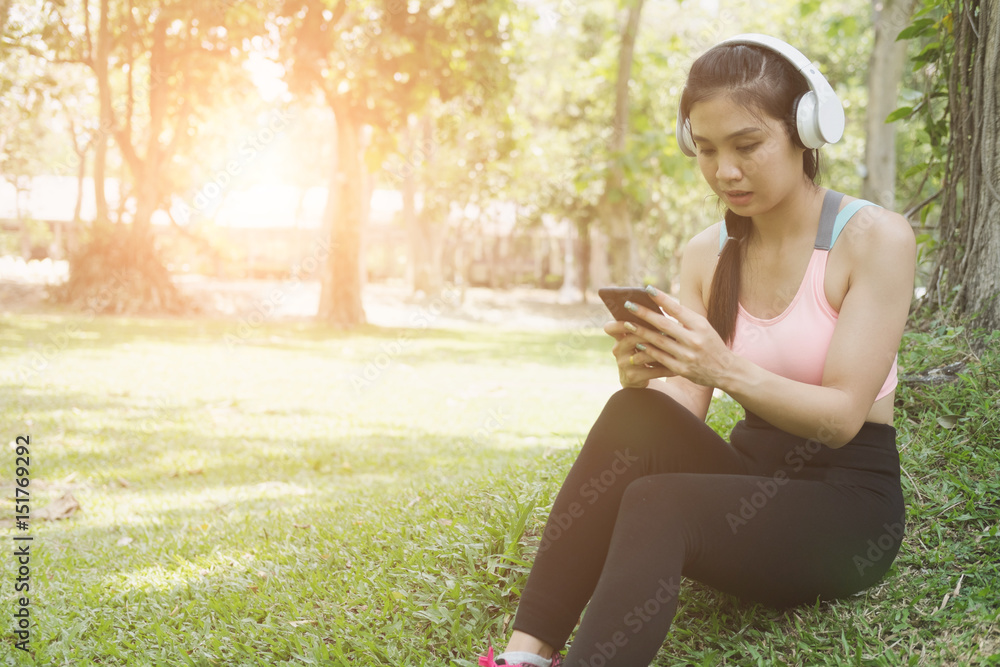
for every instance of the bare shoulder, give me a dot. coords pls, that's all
(703, 249)
(698, 263)
(876, 233)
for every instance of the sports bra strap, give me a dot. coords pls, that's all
(831, 223)
(827, 219)
(844, 216)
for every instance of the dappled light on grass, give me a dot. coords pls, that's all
(260, 500)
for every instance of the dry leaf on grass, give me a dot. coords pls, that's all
(61, 508)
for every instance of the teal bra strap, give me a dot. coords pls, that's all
(838, 224)
(846, 214)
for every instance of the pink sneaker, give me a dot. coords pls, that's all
(518, 659)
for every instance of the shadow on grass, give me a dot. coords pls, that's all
(46, 336)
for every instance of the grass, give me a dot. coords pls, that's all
(289, 495)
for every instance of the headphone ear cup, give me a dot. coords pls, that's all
(684, 138)
(806, 112)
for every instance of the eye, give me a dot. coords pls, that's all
(705, 151)
(749, 148)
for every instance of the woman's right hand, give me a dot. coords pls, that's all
(632, 370)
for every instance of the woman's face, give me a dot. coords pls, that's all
(749, 161)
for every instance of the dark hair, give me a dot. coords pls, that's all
(761, 81)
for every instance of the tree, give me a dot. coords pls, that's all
(613, 205)
(966, 278)
(885, 70)
(169, 57)
(374, 63)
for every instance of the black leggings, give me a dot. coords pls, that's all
(656, 494)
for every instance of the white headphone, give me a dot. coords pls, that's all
(819, 115)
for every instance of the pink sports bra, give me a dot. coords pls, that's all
(795, 343)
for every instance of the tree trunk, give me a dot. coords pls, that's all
(409, 192)
(583, 232)
(885, 71)
(969, 263)
(146, 172)
(107, 121)
(613, 206)
(22, 224)
(340, 300)
(74, 229)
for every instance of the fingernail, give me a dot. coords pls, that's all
(640, 347)
(631, 327)
(650, 290)
(631, 306)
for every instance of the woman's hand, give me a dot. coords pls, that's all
(632, 369)
(688, 346)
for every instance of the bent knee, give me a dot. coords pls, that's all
(656, 495)
(628, 405)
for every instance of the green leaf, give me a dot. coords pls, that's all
(916, 29)
(927, 53)
(948, 421)
(901, 112)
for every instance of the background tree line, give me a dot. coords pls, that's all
(565, 109)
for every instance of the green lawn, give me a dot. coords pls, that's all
(290, 495)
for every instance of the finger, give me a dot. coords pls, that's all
(657, 320)
(658, 339)
(663, 350)
(639, 359)
(626, 344)
(638, 375)
(671, 306)
(615, 329)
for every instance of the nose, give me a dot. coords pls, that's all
(727, 170)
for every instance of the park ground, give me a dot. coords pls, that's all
(254, 488)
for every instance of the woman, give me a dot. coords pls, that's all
(794, 305)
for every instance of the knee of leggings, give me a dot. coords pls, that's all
(628, 405)
(651, 497)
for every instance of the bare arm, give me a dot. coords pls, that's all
(869, 329)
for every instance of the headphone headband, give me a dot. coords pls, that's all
(819, 115)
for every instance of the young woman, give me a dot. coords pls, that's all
(794, 305)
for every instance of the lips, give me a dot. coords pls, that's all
(738, 197)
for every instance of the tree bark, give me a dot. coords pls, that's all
(107, 120)
(969, 263)
(613, 206)
(340, 298)
(885, 71)
(424, 269)
(146, 172)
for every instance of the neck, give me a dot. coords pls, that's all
(794, 217)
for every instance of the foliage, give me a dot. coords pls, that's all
(931, 32)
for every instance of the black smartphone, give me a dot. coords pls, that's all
(615, 297)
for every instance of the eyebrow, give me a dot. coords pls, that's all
(737, 133)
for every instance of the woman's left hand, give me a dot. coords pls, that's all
(688, 346)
